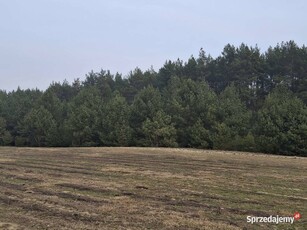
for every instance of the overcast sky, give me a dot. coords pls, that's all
(51, 40)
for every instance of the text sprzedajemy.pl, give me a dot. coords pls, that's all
(270, 219)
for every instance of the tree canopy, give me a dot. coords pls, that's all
(244, 100)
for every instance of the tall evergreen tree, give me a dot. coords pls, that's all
(113, 122)
(5, 136)
(82, 117)
(233, 122)
(159, 131)
(282, 124)
(188, 102)
(36, 127)
(145, 106)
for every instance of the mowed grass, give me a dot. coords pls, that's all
(148, 188)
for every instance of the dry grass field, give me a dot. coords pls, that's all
(148, 188)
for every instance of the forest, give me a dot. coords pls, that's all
(243, 100)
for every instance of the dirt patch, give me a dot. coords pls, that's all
(9, 226)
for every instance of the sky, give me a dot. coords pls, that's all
(42, 41)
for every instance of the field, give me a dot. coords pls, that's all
(148, 188)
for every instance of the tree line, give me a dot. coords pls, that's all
(242, 100)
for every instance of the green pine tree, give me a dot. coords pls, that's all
(282, 124)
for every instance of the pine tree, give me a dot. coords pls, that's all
(233, 122)
(5, 136)
(145, 106)
(36, 126)
(282, 124)
(82, 118)
(159, 131)
(113, 123)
